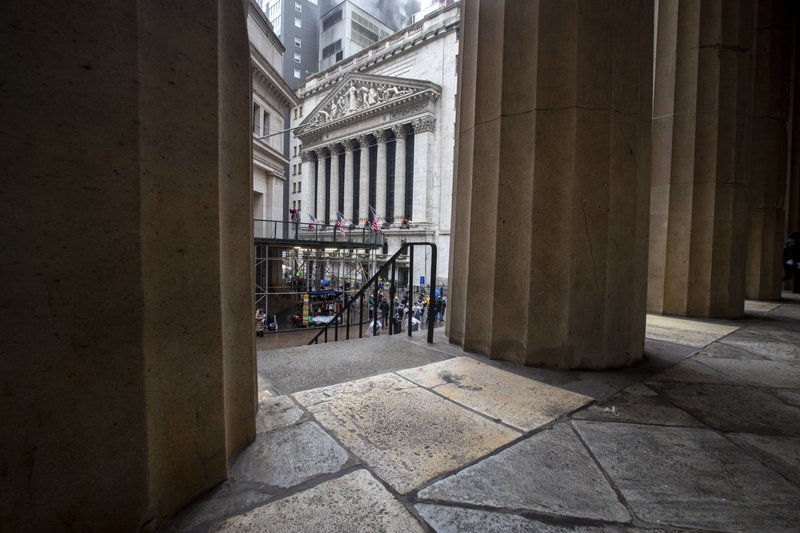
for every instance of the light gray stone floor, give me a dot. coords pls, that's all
(391, 434)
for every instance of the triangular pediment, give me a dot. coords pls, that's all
(359, 96)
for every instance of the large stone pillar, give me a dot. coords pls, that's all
(309, 179)
(551, 204)
(699, 167)
(128, 357)
(333, 193)
(423, 144)
(363, 180)
(793, 188)
(322, 187)
(349, 146)
(399, 211)
(380, 173)
(768, 173)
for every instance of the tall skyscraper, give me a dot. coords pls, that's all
(296, 23)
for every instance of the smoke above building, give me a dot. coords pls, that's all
(394, 13)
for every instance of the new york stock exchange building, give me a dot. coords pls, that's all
(374, 137)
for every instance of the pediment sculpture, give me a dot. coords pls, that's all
(356, 97)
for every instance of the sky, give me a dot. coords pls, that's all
(393, 13)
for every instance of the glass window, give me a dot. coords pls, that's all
(298, 58)
(298, 7)
(298, 42)
(297, 73)
(298, 23)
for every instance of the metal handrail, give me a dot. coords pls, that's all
(316, 232)
(359, 296)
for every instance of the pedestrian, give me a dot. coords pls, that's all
(260, 315)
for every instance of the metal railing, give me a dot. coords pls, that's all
(373, 281)
(315, 233)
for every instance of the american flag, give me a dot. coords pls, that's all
(340, 222)
(374, 218)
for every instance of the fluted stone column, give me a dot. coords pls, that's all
(322, 178)
(399, 211)
(333, 193)
(349, 146)
(119, 407)
(423, 145)
(363, 180)
(769, 143)
(699, 167)
(793, 199)
(550, 238)
(380, 173)
(309, 181)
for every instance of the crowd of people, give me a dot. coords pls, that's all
(395, 315)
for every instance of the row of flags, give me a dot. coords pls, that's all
(342, 223)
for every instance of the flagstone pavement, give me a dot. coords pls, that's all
(703, 435)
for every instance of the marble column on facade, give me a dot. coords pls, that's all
(767, 220)
(322, 177)
(698, 188)
(399, 201)
(423, 146)
(381, 136)
(333, 193)
(308, 181)
(549, 253)
(363, 180)
(349, 146)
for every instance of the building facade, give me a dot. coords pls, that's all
(272, 99)
(296, 23)
(378, 132)
(346, 30)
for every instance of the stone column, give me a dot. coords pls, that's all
(399, 210)
(699, 167)
(768, 174)
(333, 193)
(349, 146)
(423, 144)
(120, 407)
(308, 182)
(322, 177)
(363, 180)
(380, 173)
(549, 263)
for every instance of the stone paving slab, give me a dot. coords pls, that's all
(781, 453)
(763, 345)
(693, 478)
(641, 404)
(301, 368)
(276, 412)
(692, 371)
(407, 434)
(226, 501)
(446, 519)
(515, 400)
(759, 373)
(728, 351)
(755, 306)
(286, 457)
(551, 472)
(686, 332)
(350, 504)
(791, 397)
(733, 408)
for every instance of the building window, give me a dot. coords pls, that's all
(299, 186)
(298, 204)
(297, 73)
(298, 42)
(260, 121)
(332, 19)
(332, 48)
(298, 58)
(294, 188)
(298, 23)
(298, 7)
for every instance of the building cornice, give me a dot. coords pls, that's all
(402, 42)
(266, 73)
